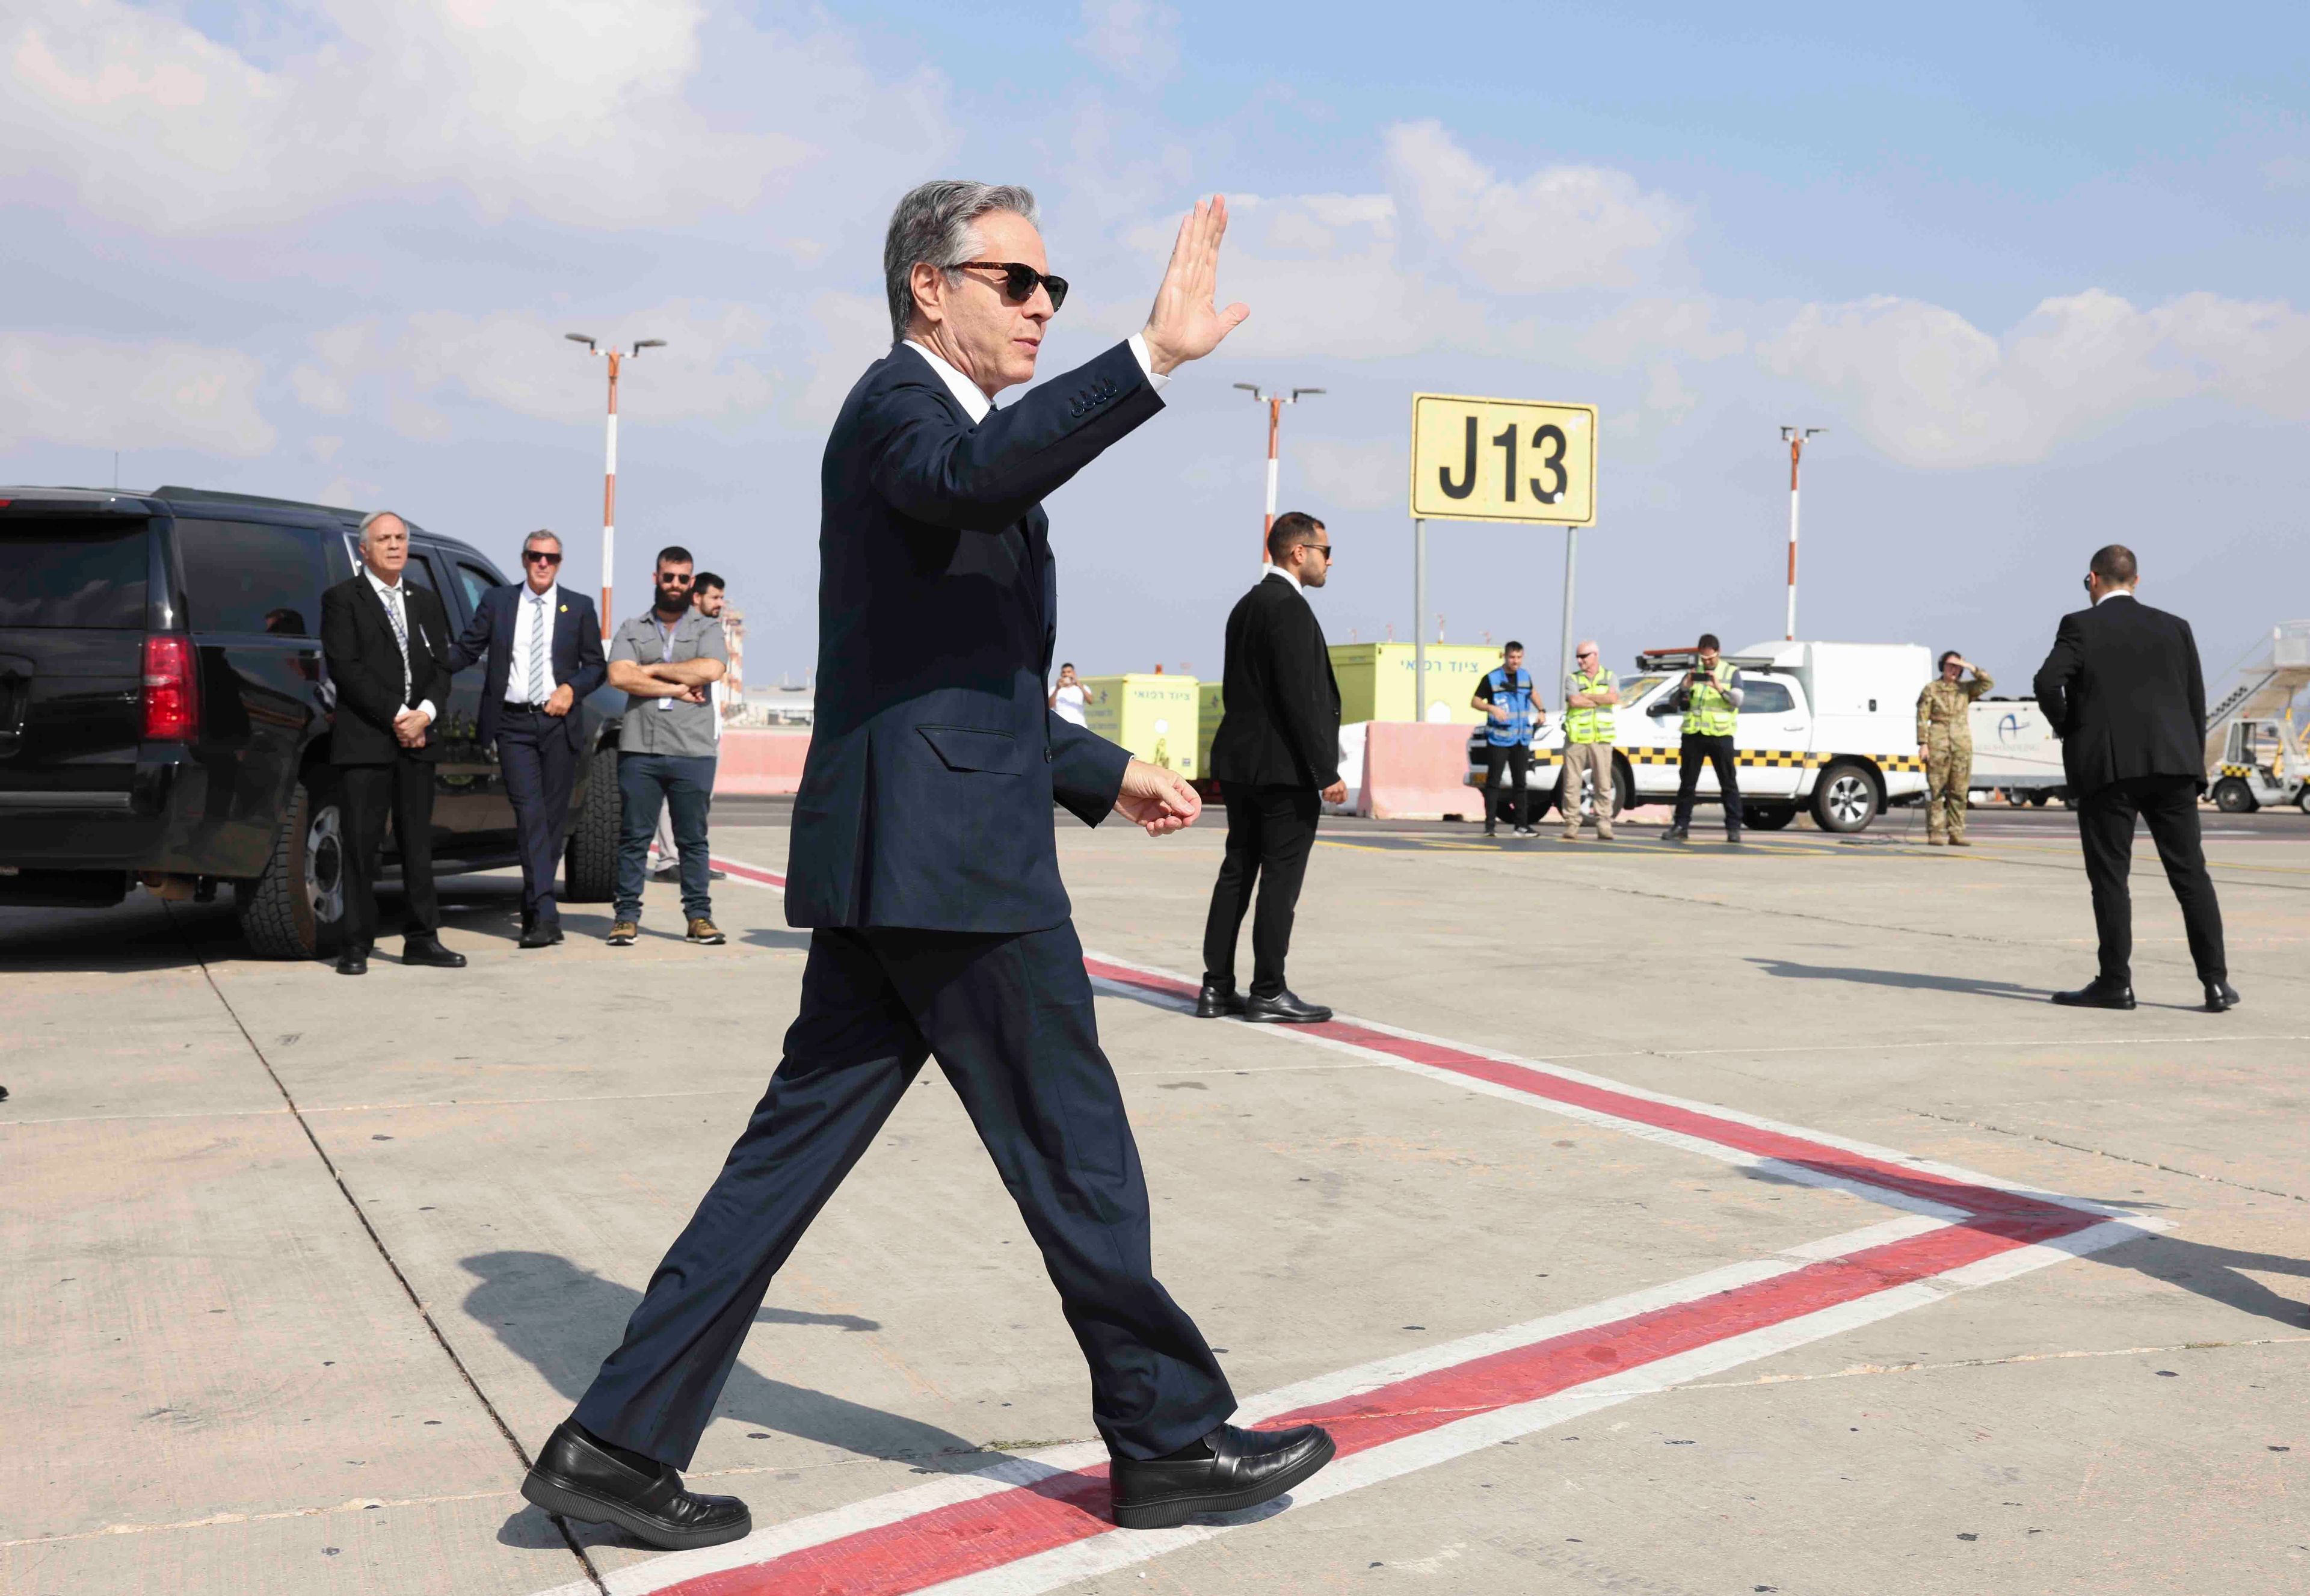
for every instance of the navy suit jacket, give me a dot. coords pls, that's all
(934, 756)
(2124, 691)
(577, 652)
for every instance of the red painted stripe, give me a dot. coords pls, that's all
(749, 872)
(968, 1538)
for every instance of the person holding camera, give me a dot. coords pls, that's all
(1710, 696)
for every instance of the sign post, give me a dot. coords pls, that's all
(1512, 460)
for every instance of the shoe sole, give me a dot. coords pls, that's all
(1323, 1018)
(568, 1502)
(713, 942)
(1168, 1513)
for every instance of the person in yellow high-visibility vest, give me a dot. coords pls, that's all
(1591, 694)
(1712, 695)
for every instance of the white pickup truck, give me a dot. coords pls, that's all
(1831, 727)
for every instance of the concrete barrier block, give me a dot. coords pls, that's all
(1415, 772)
(760, 761)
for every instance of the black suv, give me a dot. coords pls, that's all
(165, 714)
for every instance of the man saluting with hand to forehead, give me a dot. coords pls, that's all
(923, 861)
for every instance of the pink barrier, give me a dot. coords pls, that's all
(758, 761)
(1415, 772)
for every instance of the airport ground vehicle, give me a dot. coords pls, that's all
(1826, 727)
(165, 712)
(2253, 753)
(2016, 752)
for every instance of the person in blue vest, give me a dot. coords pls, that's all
(1513, 712)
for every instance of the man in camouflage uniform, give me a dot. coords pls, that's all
(1945, 743)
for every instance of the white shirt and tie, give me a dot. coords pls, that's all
(973, 399)
(529, 678)
(394, 598)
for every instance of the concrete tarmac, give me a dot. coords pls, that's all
(299, 1269)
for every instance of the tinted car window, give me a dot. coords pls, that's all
(476, 584)
(419, 570)
(75, 572)
(1767, 697)
(248, 577)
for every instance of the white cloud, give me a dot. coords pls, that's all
(1932, 389)
(101, 395)
(1351, 476)
(1564, 227)
(1136, 39)
(579, 110)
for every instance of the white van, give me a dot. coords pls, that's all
(1831, 727)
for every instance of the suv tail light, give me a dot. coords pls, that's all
(172, 711)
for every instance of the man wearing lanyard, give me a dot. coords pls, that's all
(1513, 712)
(706, 595)
(666, 663)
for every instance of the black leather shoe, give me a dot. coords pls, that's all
(2094, 995)
(541, 936)
(1245, 1469)
(576, 1478)
(1675, 834)
(1285, 1008)
(1217, 1000)
(353, 961)
(429, 951)
(2221, 995)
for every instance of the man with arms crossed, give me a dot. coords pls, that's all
(706, 595)
(2123, 690)
(1592, 695)
(924, 862)
(1276, 755)
(666, 663)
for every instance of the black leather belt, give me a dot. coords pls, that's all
(531, 709)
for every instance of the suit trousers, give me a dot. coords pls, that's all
(1270, 832)
(1693, 748)
(1009, 1018)
(368, 794)
(1514, 759)
(2169, 803)
(539, 769)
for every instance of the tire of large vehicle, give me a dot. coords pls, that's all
(2302, 799)
(2234, 797)
(1847, 798)
(297, 908)
(1624, 786)
(2040, 798)
(589, 869)
(1769, 817)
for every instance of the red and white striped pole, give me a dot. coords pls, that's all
(1275, 404)
(1796, 436)
(610, 464)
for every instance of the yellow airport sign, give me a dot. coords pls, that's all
(1502, 460)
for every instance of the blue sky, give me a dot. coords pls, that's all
(2039, 272)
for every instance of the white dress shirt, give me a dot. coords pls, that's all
(530, 608)
(2113, 593)
(392, 599)
(1277, 570)
(973, 399)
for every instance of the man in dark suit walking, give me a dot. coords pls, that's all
(1276, 755)
(385, 642)
(924, 862)
(543, 647)
(2124, 691)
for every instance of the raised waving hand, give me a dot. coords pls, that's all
(1184, 325)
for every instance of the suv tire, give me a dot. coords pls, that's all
(1845, 799)
(297, 907)
(590, 864)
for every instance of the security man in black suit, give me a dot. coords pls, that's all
(1276, 755)
(385, 642)
(544, 651)
(924, 862)
(2124, 691)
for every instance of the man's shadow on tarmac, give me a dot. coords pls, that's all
(562, 1320)
(1792, 970)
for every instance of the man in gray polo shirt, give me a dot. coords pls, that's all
(666, 663)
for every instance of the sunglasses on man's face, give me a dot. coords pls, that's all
(541, 557)
(1020, 280)
(674, 578)
(1323, 548)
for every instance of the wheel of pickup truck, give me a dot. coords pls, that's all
(297, 907)
(2234, 797)
(2039, 799)
(590, 866)
(1847, 798)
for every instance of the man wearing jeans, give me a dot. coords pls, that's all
(666, 663)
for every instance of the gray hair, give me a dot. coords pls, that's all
(934, 224)
(374, 516)
(549, 535)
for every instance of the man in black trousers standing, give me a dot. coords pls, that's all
(924, 862)
(545, 652)
(2124, 691)
(385, 642)
(1276, 756)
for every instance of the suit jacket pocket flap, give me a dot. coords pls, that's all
(967, 748)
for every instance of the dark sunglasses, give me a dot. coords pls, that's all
(675, 578)
(540, 557)
(1323, 548)
(1020, 280)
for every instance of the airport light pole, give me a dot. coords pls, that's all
(1275, 404)
(1794, 437)
(610, 463)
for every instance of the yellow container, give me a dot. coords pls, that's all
(1151, 714)
(1375, 678)
(1211, 704)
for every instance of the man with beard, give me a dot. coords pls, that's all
(666, 664)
